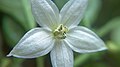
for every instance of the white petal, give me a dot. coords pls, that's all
(45, 12)
(37, 42)
(61, 55)
(72, 12)
(83, 40)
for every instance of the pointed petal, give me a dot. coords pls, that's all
(72, 12)
(83, 40)
(45, 12)
(37, 42)
(61, 55)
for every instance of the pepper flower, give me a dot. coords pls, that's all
(59, 33)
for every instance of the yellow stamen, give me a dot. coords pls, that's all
(60, 32)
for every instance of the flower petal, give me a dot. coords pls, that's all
(61, 55)
(72, 12)
(37, 42)
(45, 12)
(83, 40)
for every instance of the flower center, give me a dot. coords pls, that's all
(60, 32)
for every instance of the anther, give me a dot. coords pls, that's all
(60, 32)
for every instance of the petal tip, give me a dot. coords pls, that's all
(13, 55)
(9, 55)
(104, 48)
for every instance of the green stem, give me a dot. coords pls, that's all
(17, 62)
(40, 62)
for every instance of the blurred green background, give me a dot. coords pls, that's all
(102, 16)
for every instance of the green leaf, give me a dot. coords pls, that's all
(12, 31)
(5, 62)
(20, 10)
(111, 25)
(60, 3)
(92, 12)
(112, 47)
(81, 59)
(116, 35)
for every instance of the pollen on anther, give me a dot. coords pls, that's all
(60, 32)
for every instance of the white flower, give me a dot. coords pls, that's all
(59, 33)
